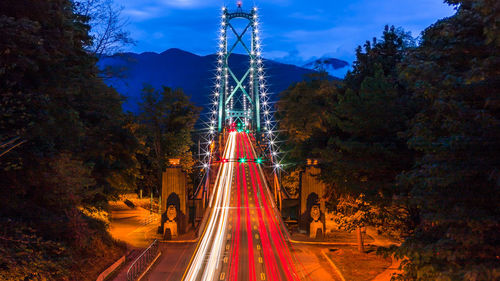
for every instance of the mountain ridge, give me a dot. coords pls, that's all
(177, 68)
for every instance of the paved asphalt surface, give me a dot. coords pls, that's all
(172, 262)
(245, 237)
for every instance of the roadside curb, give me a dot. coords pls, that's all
(328, 243)
(333, 265)
(112, 268)
(392, 269)
(179, 241)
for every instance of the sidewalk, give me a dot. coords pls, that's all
(172, 263)
(382, 241)
(122, 274)
(387, 274)
(311, 263)
(316, 266)
(129, 225)
(335, 237)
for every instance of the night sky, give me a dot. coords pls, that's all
(292, 31)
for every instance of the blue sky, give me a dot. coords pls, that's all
(292, 31)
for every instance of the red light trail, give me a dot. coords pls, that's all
(244, 237)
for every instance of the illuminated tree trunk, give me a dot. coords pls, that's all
(361, 247)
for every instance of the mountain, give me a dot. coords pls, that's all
(176, 68)
(333, 66)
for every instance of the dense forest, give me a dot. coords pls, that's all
(409, 142)
(66, 145)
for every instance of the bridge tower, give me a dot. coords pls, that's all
(237, 88)
(240, 94)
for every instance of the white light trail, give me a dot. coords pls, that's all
(212, 242)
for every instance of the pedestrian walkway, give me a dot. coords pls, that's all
(122, 273)
(172, 262)
(130, 225)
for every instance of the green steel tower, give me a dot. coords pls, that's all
(238, 93)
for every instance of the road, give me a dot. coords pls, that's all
(244, 238)
(128, 225)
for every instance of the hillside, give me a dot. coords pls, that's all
(180, 69)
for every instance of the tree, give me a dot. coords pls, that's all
(455, 182)
(356, 130)
(107, 26)
(77, 145)
(368, 150)
(304, 132)
(166, 121)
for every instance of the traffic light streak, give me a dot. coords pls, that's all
(251, 262)
(235, 249)
(274, 229)
(240, 187)
(213, 236)
(266, 244)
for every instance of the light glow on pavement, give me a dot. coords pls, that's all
(211, 243)
(244, 238)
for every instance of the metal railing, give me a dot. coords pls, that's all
(143, 261)
(150, 218)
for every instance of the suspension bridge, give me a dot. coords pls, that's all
(244, 237)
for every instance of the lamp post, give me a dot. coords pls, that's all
(151, 203)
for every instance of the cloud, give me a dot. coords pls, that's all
(158, 35)
(191, 4)
(305, 16)
(181, 3)
(290, 57)
(142, 14)
(293, 31)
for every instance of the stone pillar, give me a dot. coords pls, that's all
(311, 196)
(310, 184)
(174, 194)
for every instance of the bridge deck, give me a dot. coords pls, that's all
(244, 238)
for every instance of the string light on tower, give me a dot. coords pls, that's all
(256, 87)
(266, 106)
(219, 85)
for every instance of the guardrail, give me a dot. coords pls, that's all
(143, 261)
(151, 218)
